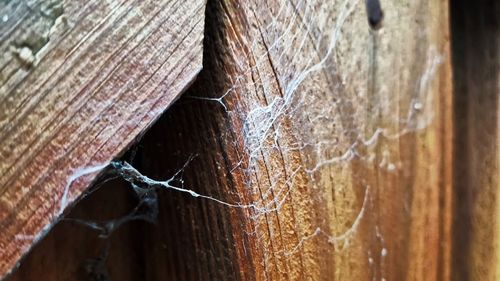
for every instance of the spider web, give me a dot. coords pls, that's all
(306, 117)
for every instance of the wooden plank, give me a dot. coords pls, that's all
(476, 44)
(79, 81)
(330, 142)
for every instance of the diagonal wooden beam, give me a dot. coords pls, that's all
(79, 81)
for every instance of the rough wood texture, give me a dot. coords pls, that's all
(331, 149)
(376, 121)
(323, 150)
(79, 81)
(330, 144)
(476, 44)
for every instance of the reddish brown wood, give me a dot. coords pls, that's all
(79, 81)
(345, 177)
(362, 192)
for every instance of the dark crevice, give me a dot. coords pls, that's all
(475, 38)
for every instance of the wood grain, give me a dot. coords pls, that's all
(327, 145)
(346, 166)
(79, 81)
(353, 162)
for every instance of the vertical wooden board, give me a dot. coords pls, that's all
(476, 45)
(79, 81)
(341, 135)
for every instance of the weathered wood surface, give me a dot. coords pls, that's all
(324, 150)
(330, 147)
(79, 81)
(333, 141)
